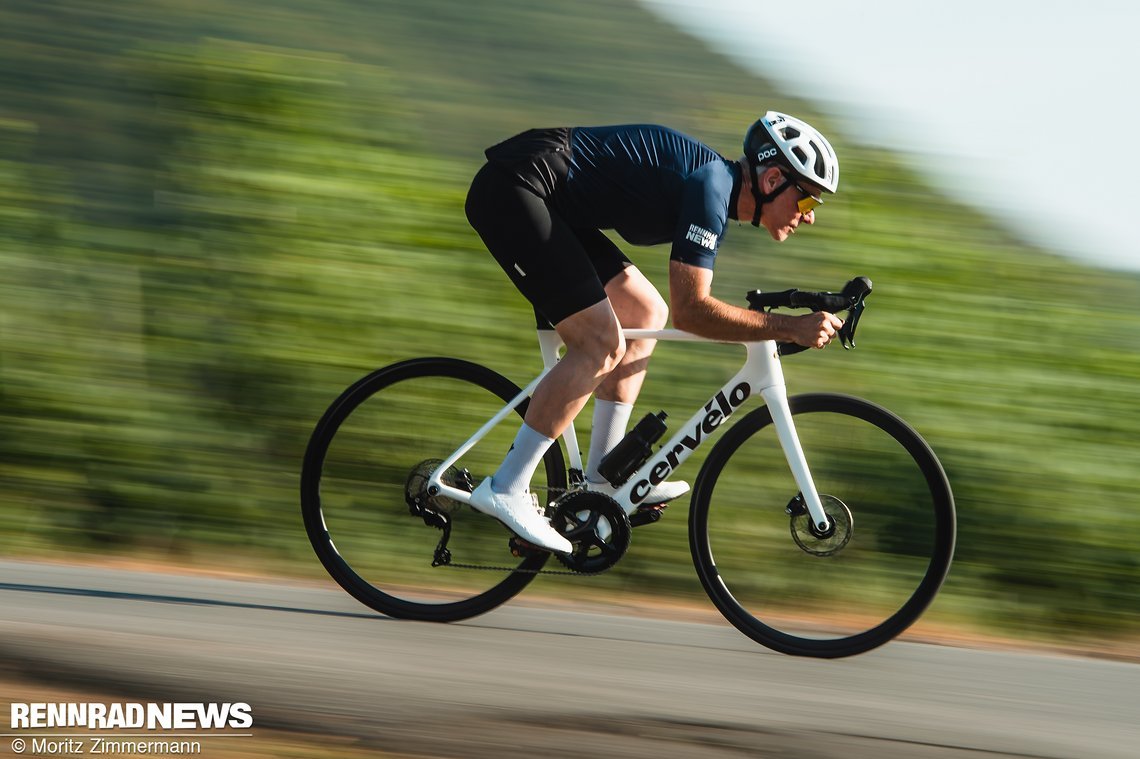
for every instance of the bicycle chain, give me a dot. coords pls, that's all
(492, 568)
(522, 571)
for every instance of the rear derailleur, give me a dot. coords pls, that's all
(436, 510)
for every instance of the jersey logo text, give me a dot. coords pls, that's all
(701, 236)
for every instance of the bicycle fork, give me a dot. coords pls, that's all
(776, 397)
(764, 364)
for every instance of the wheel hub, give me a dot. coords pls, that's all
(811, 539)
(416, 488)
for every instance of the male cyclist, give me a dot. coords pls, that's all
(539, 204)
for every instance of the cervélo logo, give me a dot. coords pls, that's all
(719, 408)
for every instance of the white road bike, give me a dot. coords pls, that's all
(827, 561)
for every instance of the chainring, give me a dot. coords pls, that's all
(597, 527)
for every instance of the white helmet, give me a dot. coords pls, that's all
(793, 144)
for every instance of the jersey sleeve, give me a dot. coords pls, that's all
(703, 216)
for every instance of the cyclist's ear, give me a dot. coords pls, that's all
(771, 178)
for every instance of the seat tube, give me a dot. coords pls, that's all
(776, 396)
(550, 343)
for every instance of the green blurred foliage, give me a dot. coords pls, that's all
(214, 216)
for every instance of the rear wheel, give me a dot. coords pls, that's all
(843, 591)
(362, 483)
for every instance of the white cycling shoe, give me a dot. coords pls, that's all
(658, 494)
(519, 512)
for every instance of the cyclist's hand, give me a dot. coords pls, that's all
(816, 330)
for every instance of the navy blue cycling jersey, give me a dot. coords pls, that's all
(652, 185)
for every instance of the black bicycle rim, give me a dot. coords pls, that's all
(901, 542)
(352, 491)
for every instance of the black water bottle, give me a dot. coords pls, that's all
(633, 450)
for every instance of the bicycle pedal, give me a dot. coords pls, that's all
(647, 514)
(521, 549)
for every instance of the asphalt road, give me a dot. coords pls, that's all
(529, 680)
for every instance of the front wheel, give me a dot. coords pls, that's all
(368, 461)
(834, 593)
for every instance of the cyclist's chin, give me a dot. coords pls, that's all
(778, 232)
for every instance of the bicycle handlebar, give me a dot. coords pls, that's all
(850, 298)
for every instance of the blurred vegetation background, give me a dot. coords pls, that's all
(216, 215)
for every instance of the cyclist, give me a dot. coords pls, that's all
(539, 204)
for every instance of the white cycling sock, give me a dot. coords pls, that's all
(610, 420)
(513, 475)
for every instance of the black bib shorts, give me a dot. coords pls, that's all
(512, 204)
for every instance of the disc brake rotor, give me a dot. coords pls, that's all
(809, 538)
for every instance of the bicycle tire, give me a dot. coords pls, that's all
(382, 556)
(795, 599)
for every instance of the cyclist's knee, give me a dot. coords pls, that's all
(613, 354)
(603, 351)
(648, 312)
(594, 337)
(655, 312)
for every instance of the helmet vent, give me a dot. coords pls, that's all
(800, 154)
(820, 164)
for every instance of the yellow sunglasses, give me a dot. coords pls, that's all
(808, 202)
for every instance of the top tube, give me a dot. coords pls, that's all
(677, 335)
(674, 335)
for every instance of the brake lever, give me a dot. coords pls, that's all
(847, 331)
(857, 291)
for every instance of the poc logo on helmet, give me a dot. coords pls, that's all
(764, 155)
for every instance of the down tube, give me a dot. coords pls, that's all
(760, 371)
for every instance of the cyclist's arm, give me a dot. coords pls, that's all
(695, 310)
